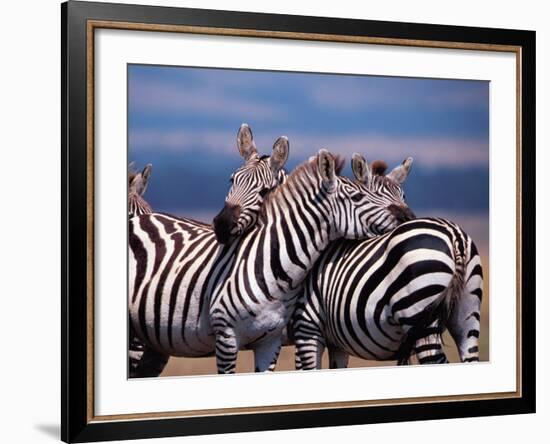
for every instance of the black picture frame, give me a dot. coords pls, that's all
(77, 424)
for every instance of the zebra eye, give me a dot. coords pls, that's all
(357, 197)
(263, 192)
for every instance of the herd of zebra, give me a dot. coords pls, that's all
(311, 259)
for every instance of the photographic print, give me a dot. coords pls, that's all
(284, 221)
(276, 222)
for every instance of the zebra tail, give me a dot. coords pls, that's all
(456, 286)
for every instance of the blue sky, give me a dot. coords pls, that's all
(184, 121)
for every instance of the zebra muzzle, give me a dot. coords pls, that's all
(225, 222)
(402, 213)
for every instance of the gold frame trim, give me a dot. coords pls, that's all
(96, 24)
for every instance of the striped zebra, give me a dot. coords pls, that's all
(137, 184)
(249, 186)
(174, 262)
(392, 297)
(253, 298)
(137, 361)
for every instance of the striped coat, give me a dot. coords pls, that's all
(141, 360)
(174, 261)
(253, 299)
(391, 297)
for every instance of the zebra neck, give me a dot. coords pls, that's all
(290, 240)
(137, 205)
(296, 223)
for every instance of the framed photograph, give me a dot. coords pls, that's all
(275, 221)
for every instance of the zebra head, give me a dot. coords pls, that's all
(386, 190)
(357, 210)
(137, 184)
(249, 185)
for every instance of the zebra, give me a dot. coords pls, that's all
(253, 298)
(137, 184)
(391, 297)
(173, 261)
(137, 205)
(249, 186)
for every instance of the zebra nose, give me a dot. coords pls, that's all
(225, 221)
(402, 213)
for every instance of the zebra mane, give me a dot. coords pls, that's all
(306, 171)
(379, 167)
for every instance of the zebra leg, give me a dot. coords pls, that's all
(136, 347)
(297, 361)
(307, 328)
(309, 352)
(150, 365)
(337, 358)
(429, 349)
(266, 355)
(227, 349)
(274, 362)
(143, 361)
(309, 342)
(135, 353)
(464, 326)
(464, 322)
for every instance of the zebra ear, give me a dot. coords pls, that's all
(279, 155)
(326, 167)
(245, 142)
(145, 175)
(133, 183)
(400, 173)
(360, 168)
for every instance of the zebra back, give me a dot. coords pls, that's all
(378, 298)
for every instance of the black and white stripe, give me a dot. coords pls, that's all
(141, 360)
(254, 297)
(391, 297)
(177, 300)
(249, 185)
(175, 262)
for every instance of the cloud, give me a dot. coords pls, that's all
(218, 92)
(153, 96)
(430, 152)
(383, 94)
(427, 150)
(182, 140)
(236, 78)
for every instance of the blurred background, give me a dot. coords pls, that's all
(184, 121)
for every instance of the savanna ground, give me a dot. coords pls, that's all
(245, 361)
